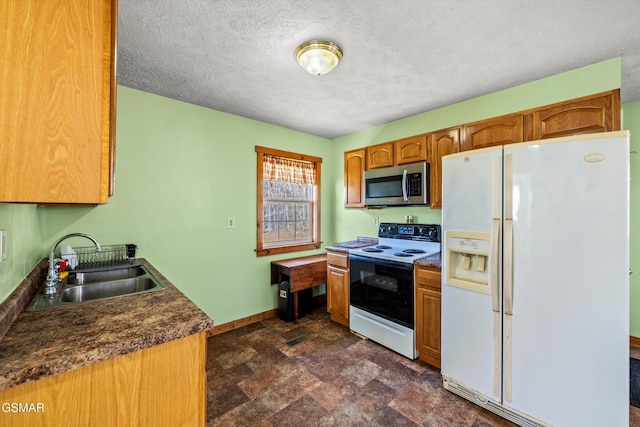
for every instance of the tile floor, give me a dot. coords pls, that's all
(316, 373)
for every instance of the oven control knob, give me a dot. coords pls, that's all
(433, 233)
(429, 232)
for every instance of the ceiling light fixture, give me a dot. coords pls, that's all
(318, 57)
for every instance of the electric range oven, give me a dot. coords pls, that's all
(382, 291)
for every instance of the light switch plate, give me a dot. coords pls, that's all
(231, 222)
(3, 245)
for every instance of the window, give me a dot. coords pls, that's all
(288, 202)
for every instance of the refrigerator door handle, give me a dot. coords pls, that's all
(493, 269)
(507, 254)
(507, 277)
(495, 304)
(494, 285)
(494, 252)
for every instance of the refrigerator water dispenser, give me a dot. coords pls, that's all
(467, 260)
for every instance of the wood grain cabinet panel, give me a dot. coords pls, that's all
(354, 163)
(590, 114)
(164, 385)
(57, 101)
(338, 287)
(441, 143)
(411, 150)
(498, 131)
(428, 315)
(380, 156)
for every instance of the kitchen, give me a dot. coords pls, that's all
(180, 231)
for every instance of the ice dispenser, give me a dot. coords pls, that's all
(467, 260)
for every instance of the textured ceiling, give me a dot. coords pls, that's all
(401, 57)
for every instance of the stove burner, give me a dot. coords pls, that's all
(383, 247)
(414, 251)
(402, 254)
(371, 250)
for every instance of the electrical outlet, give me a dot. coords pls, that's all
(376, 221)
(3, 245)
(231, 222)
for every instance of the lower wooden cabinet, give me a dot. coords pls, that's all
(338, 287)
(428, 315)
(164, 385)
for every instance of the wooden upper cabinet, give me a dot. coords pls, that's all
(589, 114)
(380, 156)
(411, 150)
(441, 143)
(497, 131)
(57, 101)
(354, 178)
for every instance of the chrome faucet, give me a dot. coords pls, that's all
(53, 277)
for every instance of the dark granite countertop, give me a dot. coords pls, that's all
(432, 261)
(49, 342)
(360, 242)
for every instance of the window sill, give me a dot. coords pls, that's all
(286, 249)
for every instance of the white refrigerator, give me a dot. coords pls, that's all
(535, 280)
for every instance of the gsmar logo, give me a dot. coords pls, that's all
(22, 407)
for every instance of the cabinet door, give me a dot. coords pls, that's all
(498, 131)
(380, 156)
(354, 178)
(428, 328)
(160, 386)
(590, 114)
(57, 100)
(428, 314)
(441, 143)
(338, 294)
(411, 150)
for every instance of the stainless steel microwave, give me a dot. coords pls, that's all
(404, 185)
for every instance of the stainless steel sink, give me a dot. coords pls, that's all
(83, 278)
(84, 287)
(102, 290)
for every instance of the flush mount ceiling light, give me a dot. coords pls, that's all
(318, 57)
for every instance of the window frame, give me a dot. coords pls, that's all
(261, 249)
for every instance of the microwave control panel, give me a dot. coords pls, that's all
(415, 184)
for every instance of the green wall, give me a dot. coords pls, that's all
(24, 244)
(181, 171)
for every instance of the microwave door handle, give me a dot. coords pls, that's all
(404, 186)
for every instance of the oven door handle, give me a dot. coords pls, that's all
(395, 264)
